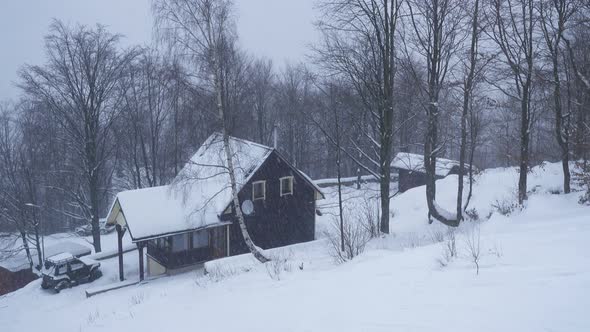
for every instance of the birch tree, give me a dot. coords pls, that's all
(205, 29)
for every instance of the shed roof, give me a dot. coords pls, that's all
(197, 197)
(415, 163)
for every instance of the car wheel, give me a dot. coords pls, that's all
(61, 286)
(95, 274)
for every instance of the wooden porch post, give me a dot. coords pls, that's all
(140, 246)
(120, 233)
(227, 240)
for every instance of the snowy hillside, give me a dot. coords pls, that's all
(534, 275)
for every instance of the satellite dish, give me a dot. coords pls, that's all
(247, 207)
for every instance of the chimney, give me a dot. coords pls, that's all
(274, 137)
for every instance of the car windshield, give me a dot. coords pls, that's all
(58, 269)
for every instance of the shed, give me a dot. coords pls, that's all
(412, 173)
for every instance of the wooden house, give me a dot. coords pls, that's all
(412, 173)
(192, 220)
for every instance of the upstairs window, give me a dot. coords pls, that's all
(258, 190)
(286, 184)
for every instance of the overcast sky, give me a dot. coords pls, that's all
(278, 29)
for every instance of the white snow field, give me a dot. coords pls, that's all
(534, 276)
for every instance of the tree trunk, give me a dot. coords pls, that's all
(524, 145)
(339, 175)
(236, 202)
(340, 215)
(466, 96)
(385, 156)
(23, 236)
(94, 214)
(38, 245)
(219, 87)
(473, 139)
(560, 133)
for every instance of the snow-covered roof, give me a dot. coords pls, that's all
(415, 163)
(88, 261)
(197, 197)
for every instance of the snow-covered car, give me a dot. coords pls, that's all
(65, 271)
(86, 230)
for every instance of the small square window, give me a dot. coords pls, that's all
(258, 190)
(201, 239)
(179, 242)
(286, 185)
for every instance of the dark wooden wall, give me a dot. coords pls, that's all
(408, 180)
(277, 221)
(11, 281)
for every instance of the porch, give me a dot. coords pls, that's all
(172, 252)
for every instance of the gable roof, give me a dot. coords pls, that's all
(415, 163)
(199, 194)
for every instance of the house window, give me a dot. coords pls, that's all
(179, 242)
(200, 239)
(258, 190)
(286, 185)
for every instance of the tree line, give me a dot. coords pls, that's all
(486, 82)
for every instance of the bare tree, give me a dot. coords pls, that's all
(262, 85)
(334, 135)
(473, 245)
(206, 31)
(78, 83)
(554, 17)
(19, 186)
(513, 29)
(146, 109)
(467, 94)
(359, 44)
(437, 26)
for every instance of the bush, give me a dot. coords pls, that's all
(473, 246)
(355, 236)
(277, 265)
(218, 272)
(137, 299)
(505, 207)
(449, 248)
(369, 217)
(472, 214)
(436, 235)
(582, 178)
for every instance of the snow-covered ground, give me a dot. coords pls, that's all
(534, 276)
(54, 241)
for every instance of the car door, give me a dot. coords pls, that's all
(78, 270)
